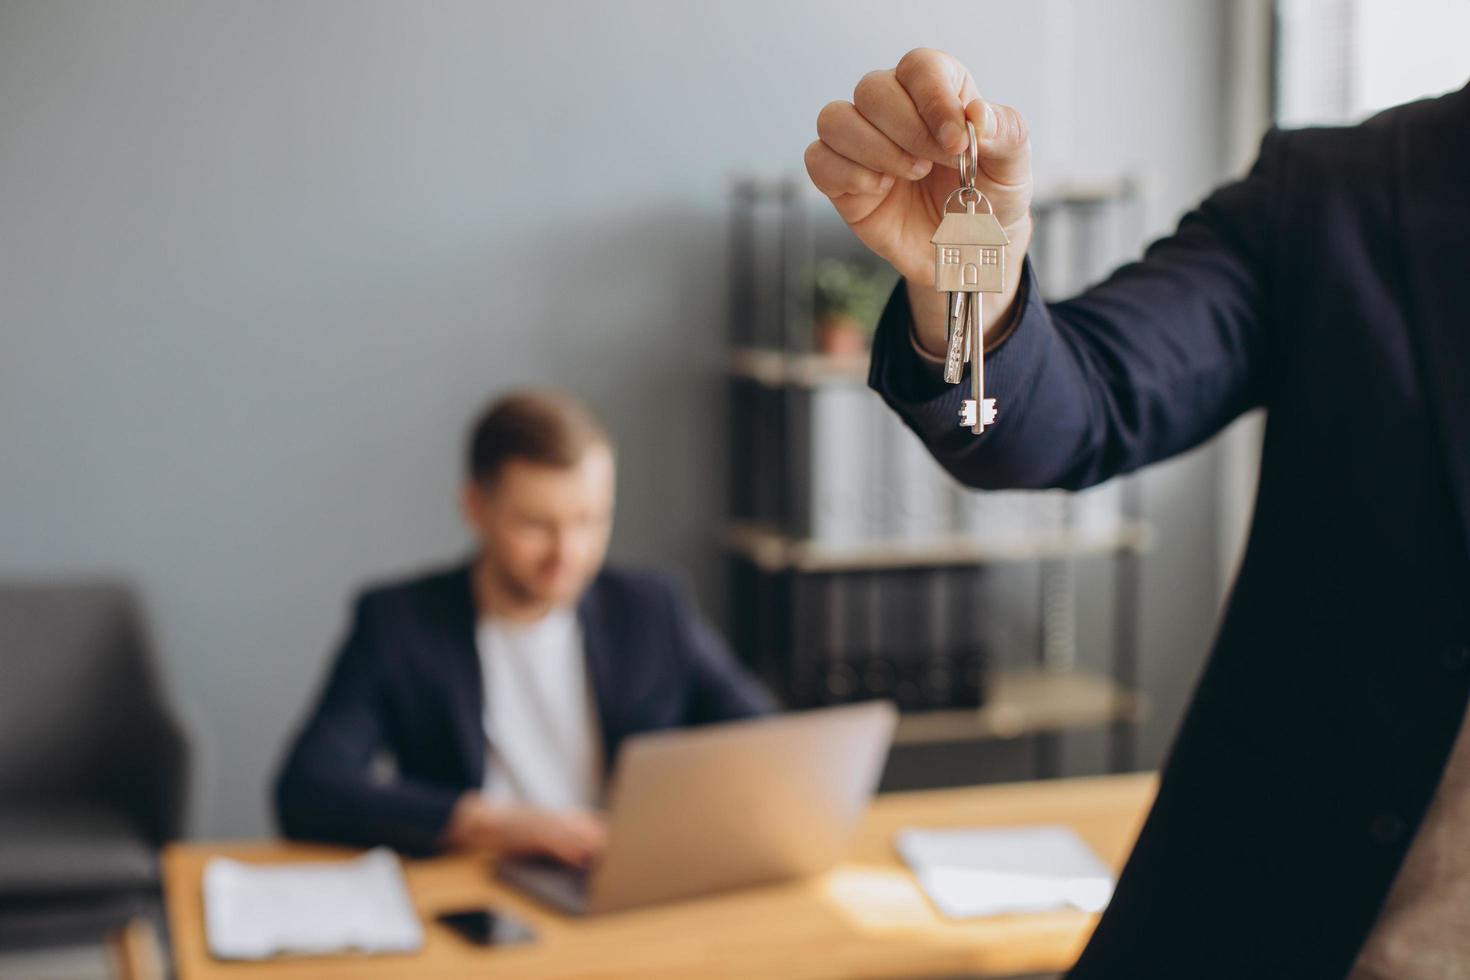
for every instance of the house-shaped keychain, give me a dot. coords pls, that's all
(969, 252)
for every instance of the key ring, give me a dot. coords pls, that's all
(970, 159)
(969, 167)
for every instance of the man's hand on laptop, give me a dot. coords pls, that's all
(574, 837)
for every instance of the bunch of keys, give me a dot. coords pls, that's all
(969, 261)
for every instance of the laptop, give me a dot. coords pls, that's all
(702, 810)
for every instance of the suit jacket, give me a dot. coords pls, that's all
(1332, 286)
(407, 680)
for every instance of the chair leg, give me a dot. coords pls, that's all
(134, 951)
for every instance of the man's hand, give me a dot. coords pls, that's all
(575, 837)
(887, 160)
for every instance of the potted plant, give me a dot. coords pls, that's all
(847, 299)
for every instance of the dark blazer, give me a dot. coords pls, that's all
(407, 681)
(1332, 286)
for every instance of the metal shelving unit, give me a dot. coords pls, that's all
(884, 605)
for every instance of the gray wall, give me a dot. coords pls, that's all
(260, 261)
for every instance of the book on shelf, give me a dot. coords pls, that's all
(905, 636)
(913, 497)
(835, 490)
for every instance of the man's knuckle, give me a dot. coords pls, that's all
(1010, 126)
(830, 117)
(916, 60)
(932, 103)
(811, 158)
(868, 88)
(1023, 131)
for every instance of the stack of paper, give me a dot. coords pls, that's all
(987, 871)
(256, 910)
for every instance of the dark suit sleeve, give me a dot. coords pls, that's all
(326, 789)
(1148, 363)
(717, 688)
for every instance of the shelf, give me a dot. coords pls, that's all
(781, 369)
(1086, 191)
(1027, 702)
(772, 551)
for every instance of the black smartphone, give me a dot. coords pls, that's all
(487, 927)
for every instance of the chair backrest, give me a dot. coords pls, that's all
(82, 710)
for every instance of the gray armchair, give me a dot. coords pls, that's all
(93, 763)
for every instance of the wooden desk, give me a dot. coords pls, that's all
(865, 918)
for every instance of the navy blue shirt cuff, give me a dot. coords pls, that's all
(929, 405)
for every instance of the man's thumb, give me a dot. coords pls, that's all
(1005, 143)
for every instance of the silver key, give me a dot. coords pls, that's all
(977, 411)
(957, 351)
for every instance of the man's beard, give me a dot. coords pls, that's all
(513, 588)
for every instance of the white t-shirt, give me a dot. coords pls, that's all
(544, 746)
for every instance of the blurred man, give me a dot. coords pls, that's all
(501, 688)
(1316, 801)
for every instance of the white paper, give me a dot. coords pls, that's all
(988, 871)
(252, 911)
